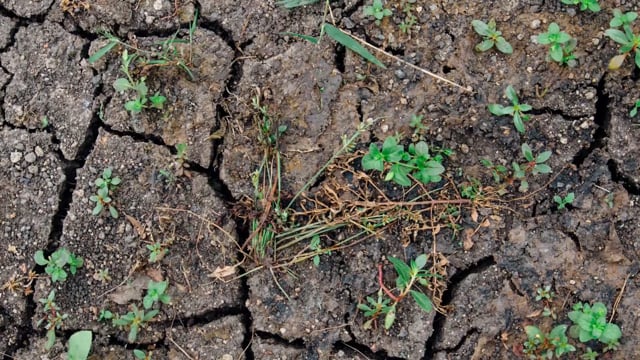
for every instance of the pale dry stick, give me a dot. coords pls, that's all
(411, 203)
(181, 349)
(616, 303)
(424, 71)
(244, 351)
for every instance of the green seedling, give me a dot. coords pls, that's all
(134, 320)
(634, 109)
(102, 200)
(56, 263)
(590, 323)
(564, 201)
(491, 37)
(107, 181)
(544, 293)
(139, 354)
(377, 10)
(105, 315)
(409, 19)
(417, 162)
(540, 345)
(416, 124)
(626, 38)
(471, 189)
(80, 345)
(156, 292)
(409, 275)
(559, 43)
(591, 5)
(316, 247)
(589, 354)
(516, 110)
(53, 318)
(141, 99)
(535, 165)
(157, 251)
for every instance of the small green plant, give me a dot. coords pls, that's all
(157, 251)
(591, 5)
(590, 323)
(140, 354)
(589, 354)
(540, 345)
(105, 315)
(134, 320)
(634, 109)
(106, 184)
(53, 317)
(409, 19)
(139, 103)
(535, 165)
(560, 44)
(56, 263)
(626, 38)
(409, 275)
(516, 110)
(317, 248)
(80, 345)
(564, 201)
(377, 10)
(417, 162)
(491, 37)
(156, 292)
(544, 293)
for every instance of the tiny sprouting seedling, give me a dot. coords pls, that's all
(540, 345)
(544, 293)
(377, 10)
(142, 355)
(409, 19)
(107, 181)
(535, 165)
(408, 276)
(626, 38)
(471, 189)
(419, 128)
(56, 263)
(79, 345)
(590, 323)
(52, 316)
(417, 162)
(317, 248)
(591, 5)
(105, 315)
(560, 45)
(134, 320)
(141, 99)
(634, 109)
(516, 110)
(589, 354)
(102, 275)
(44, 122)
(491, 37)
(156, 292)
(564, 201)
(157, 251)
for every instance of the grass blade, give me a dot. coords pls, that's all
(351, 44)
(290, 4)
(311, 39)
(102, 52)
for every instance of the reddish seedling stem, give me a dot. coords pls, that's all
(384, 288)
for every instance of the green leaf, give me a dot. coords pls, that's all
(422, 300)
(526, 152)
(524, 186)
(97, 209)
(102, 52)
(80, 345)
(541, 169)
(637, 58)
(421, 261)
(518, 123)
(134, 106)
(543, 156)
(351, 44)
(503, 46)
(533, 332)
(485, 45)
(611, 334)
(421, 148)
(555, 53)
(480, 27)
(373, 159)
(544, 39)
(311, 39)
(133, 333)
(139, 354)
(157, 101)
(617, 36)
(403, 270)
(51, 338)
(497, 109)
(511, 94)
(390, 318)
(524, 107)
(290, 4)
(113, 212)
(121, 85)
(39, 258)
(400, 174)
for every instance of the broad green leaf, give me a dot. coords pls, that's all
(533, 332)
(525, 107)
(555, 53)
(563, 37)
(611, 334)
(433, 168)
(51, 338)
(133, 333)
(526, 152)
(351, 44)
(311, 39)
(390, 318)
(518, 123)
(617, 36)
(616, 62)
(121, 85)
(39, 258)
(485, 45)
(543, 156)
(134, 106)
(400, 174)
(421, 261)
(480, 27)
(80, 345)
(422, 300)
(97, 209)
(511, 94)
(139, 354)
(102, 52)
(113, 212)
(637, 58)
(403, 270)
(421, 148)
(558, 331)
(503, 46)
(542, 169)
(553, 28)
(570, 197)
(544, 39)
(497, 109)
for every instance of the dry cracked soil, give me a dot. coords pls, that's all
(62, 123)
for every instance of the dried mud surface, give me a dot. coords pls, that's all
(62, 123)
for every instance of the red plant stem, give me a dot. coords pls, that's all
(384, 288)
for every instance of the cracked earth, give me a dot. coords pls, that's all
(587, 253)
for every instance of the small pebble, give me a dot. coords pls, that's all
(33, 169)
(39, 151)
(464, 148)
(400, 74)
(535, 24)
(15, 156)
(30, 157)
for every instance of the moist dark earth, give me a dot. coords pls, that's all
(62, 123)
